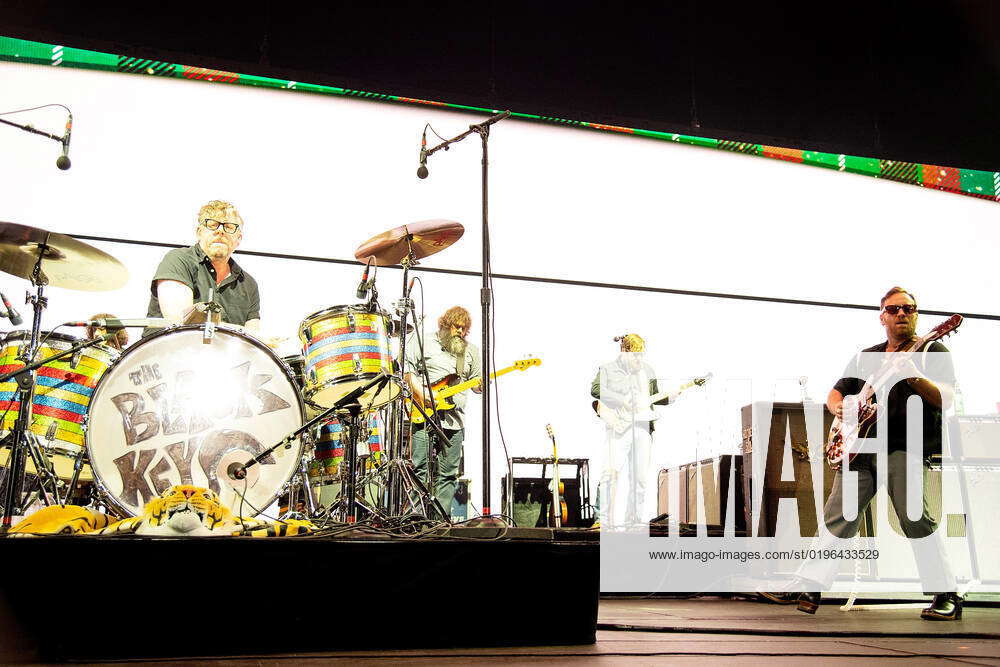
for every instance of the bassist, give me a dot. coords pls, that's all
(448, 353)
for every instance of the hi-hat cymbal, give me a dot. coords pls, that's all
(65, 261)
(426, 237)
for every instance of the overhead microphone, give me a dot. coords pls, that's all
(364, 285)
(13, 315)
(63, 161)
(422, 169)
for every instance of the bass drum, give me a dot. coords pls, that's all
(177, 410)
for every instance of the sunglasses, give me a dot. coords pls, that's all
(907, 308)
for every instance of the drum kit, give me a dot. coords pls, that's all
(211, 405)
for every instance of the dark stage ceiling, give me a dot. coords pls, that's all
(909, 80)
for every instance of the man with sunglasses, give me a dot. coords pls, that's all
(186, 276)
(898, 317)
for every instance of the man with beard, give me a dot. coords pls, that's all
(929, 376)
(187, 275)
(446, 354)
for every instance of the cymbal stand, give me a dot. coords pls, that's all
(20, 435)
(405, 485)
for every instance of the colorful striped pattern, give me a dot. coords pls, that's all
(970, 182)
(329, 451)
(62, 392)
(333, 347)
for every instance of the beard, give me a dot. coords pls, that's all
(454, 344)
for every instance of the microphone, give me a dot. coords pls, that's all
(422, 169)
(115, 323)
(236, 470)
(364, 285)
(15, 317)
(63, 160)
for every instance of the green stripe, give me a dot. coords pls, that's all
(972, 181)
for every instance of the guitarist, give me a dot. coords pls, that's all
(448, 353)
(898, 317)
(623, 388)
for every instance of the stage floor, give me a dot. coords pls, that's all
(686, 645)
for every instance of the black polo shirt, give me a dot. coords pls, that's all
(939, 368)
(238, 294)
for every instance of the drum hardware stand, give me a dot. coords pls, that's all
(404, 484)
(486, 299)
(238, 471)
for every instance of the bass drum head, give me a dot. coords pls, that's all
(175, 410)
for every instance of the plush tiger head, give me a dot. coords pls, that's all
(185, 510)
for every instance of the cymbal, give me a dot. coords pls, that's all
(426, 237)
(65, 261)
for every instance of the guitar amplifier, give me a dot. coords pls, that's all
(528, 500)
(715, 476)
(787, 419)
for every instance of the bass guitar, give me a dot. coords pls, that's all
(442, 390)
(619, 419)
(843, 439)
(559, 511)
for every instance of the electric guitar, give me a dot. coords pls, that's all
(443, 389)
(560, 512)
(619, 419)
(843, 440)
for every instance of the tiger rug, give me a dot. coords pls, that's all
(180, 511)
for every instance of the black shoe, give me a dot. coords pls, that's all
(945, 607)
(809, 602)
(779, 598)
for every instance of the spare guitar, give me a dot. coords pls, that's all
(619, 419)
(443, 389)
(843, 439)
(559, 511)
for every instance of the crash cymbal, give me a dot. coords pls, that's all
(426, 237)
(65, 261)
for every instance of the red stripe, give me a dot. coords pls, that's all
(349, 357)
(10, 405)
(67, 375)
(57, 413)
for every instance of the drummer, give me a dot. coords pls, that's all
(186, 275)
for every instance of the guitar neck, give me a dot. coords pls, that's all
(659, 396)
(469, 384)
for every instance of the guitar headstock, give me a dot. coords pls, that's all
(946, 328)
(525, 364)
(548, 429)
(703, 379)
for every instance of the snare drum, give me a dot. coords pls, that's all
(174, 410)
(63, 389)
(345, 347)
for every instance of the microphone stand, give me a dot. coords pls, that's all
(28, 128)
(486, 299)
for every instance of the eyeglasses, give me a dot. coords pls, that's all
(907, 308)
(228, 227)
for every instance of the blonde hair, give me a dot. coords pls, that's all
(216, 209)
(633, 343)
(455, 315)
